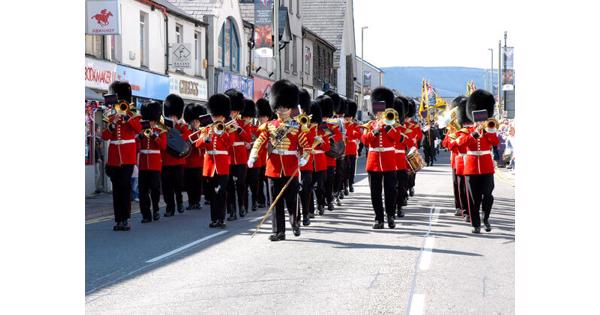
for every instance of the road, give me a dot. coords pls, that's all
(430, 263)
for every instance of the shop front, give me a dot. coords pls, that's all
(227, 80)
(191, 89)
(145, 86)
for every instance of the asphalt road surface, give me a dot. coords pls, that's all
(430, 263)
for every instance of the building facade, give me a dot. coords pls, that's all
(372, 77)
(318, 63)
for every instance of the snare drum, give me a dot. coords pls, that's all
(415, 161)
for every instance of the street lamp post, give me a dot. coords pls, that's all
(276, 39)
(362, 60)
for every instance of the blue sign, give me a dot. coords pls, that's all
(228, 80)
(143, 83)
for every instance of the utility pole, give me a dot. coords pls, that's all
(491, 76)
(500, 109)
(362, 60)
(276, 39)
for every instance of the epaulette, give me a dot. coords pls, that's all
(263, 127)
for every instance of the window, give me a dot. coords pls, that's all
(178, 33)
(198, 53)
(144, 39)
(286, 60)
(113, 50)
(298, 8)
(295, 54)
(94, 45)
(307, 58)
(229, 47)
(291, 6)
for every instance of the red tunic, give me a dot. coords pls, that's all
(122, 147)
(478, 159)
(402, 147)
(238, 152)
(453, 150)
(336, 135)
(352, 137)
(216, 154)
(414, 131)
(195, 159)
(151, 151)
(168, 159)
(382, 151)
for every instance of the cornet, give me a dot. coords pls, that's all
(390, 114)
(303, 119)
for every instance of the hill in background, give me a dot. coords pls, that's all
(448, 81)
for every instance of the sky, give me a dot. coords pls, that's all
(448, 33)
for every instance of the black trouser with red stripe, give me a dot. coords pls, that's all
(388, 181)
(193, 184)
(252, 184)
(306, 192)
(172, 186)
(290, 197)
(402, 184)
(350, 161)
(480, 188)
(236, 188)
(120, 177)
(216, 188)
(149, 185)
(262, 183)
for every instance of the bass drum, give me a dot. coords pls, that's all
(415, 161)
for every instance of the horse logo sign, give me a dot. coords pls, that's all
(102, 17)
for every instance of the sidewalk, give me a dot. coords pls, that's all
(101, 205)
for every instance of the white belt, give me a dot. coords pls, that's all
(284, 152)
(318, 151)
(122, 141)
(382, 149)
(461, 154)
(235, 144)
(150, 151)
(217, 152)
(479, 152)
(400, 151)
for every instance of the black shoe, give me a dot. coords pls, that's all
(338, 202)
(311, 215)
(488, 227)
(232, 217)
(306, 221)
(411, 192)
(351, 188)
(400, 213)
(378, 225)
(254, 207)
(118, 226)
(243, 213)
(458, 213)
(321, 209)
(261, 205)
(156, 216)
(296, 230)
(341, 195)
(390, 221)
(330, 206)
(346, 192)
(476, 230)
(405, 202)
(190, 207)
(221, 224)
(467, 218)
(180, 208)
(277, 237)
(213, 224)
(169, 214)
(146, 220)
(125, 226)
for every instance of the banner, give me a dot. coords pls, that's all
(228, 80)
(263, 27)
(102, 17)
(262, 88)
(508, 72)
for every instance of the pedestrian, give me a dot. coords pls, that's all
(123, 127)
(134, 184)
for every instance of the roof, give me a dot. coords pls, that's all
(171, 8)
(326, 18)
(370, 64)
(306, 29)
(198, 8)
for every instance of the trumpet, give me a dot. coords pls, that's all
(148, 132)
(303, 119)
(390, 114)
(492, 123)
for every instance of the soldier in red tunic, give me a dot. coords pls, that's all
(195, 161)
(451, 135)
(151, 141)
(353, 135)
(402, 147)
(459, 161)
(381, 138)
(172, 172)
(121, 132)
(334, 138)
(339, 108)
(306, 171)
(414, 131)
(287, 142)
(264, 115)
(319, 160)
(239, 157)
(248, 117)
(479, 163)
(216, 143)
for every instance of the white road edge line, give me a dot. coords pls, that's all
(417, 304)
(426, 258)
(184, 247)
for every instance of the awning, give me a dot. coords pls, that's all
(91, 95)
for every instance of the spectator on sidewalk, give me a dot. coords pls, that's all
(510, 147)
(134, 185)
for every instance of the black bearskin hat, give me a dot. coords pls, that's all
(304, 100)
(457, 101)
(326, 104)
(383, 94)
(173, 106)
(236, 98)
(151, 111)
(219, 105)
(400, 106)
(337, 101)
(263, 107)
(480, 100)
(193, 111)
(122, 89)
(342, 108)
(315, 111)
(351, 109)
(249, 109)
(461, 113)
(284, 94)
(412, 108)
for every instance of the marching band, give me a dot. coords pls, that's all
(303, 151)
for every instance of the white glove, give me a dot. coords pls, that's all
(251, 162)
(302, 161)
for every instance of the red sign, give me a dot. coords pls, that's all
(99, 74)
(262, 88)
